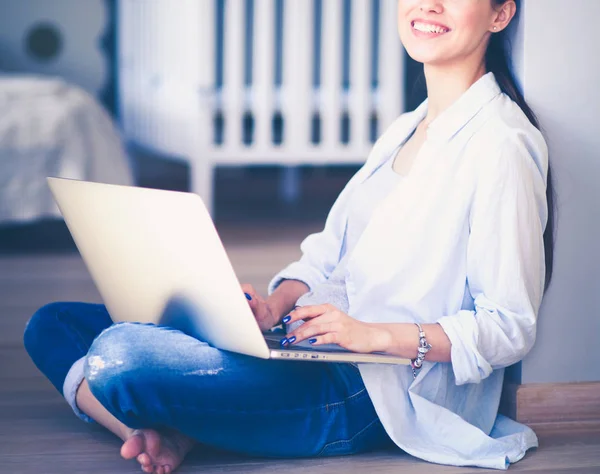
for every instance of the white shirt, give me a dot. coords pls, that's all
(459, 242)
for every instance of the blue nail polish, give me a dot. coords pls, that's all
(284, 341)
(287, 319)
(248, 297)
(292, 339)
(312, 341)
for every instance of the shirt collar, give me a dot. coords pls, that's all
(403, 127)
(455, 117)
(446, 125)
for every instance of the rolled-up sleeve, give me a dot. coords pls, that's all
(321, 251)
(505, 261)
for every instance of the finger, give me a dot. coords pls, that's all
(249, 292)
(252, 297)
(318, 325)
(318, 330)
(329, 338)
(307, 312)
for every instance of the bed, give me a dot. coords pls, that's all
(49, 127)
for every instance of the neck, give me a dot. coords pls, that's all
(446, 83)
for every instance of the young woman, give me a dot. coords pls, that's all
(438, 250)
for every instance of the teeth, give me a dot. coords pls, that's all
(428, 28)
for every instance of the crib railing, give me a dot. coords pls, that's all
(289, 82)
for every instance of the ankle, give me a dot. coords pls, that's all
(125, 433)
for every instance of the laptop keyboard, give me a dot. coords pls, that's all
(273, 342)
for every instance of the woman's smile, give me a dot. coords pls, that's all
(428, 29)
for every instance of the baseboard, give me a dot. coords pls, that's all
(557, 403)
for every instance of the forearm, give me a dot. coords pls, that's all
(283, 299)
(402, 339)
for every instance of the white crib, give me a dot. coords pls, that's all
(174, 89)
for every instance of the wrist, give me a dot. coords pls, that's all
(400, 339)
(422, 350)
(381, 337)
(274, 306)
(285, 296)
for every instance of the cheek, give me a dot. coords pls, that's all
(405, 7)
(401, 16)
(470, 25)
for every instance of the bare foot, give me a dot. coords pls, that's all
(159, 453)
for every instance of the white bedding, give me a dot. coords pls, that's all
(51, 128)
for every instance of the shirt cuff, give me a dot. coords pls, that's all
(297, 271)
(468, 365)
(72, 382)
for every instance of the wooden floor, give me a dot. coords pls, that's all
(39, 434)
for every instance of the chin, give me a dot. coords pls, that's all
(423, 51)
(426, 56)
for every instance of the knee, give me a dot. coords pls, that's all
(114, 371)
(114, 356)
(107, 355)
(39, 325)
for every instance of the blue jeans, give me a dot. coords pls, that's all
(152, 376)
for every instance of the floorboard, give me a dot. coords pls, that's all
(39, 434)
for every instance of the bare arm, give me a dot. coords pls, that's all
(402, 339)
(328, 325)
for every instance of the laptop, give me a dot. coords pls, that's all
(156, 257)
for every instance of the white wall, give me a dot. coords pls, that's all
(82, 23)
(558, 61)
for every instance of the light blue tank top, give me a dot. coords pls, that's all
(361, 206)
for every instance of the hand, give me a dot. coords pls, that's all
(325, 324)
(261, 309)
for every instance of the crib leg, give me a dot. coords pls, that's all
(289, 185)
(201, 181)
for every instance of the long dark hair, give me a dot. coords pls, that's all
(497, 61)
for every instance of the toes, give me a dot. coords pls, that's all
(164, 469)
(144, 459)
(152, 443)
(133, 446)
(149, 469)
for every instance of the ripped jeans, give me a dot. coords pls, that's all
(152, 376)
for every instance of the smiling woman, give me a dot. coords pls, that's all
(436, 250)
(464, 25)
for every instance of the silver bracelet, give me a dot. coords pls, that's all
(424, 348)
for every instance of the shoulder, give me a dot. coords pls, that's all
(503, 139)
